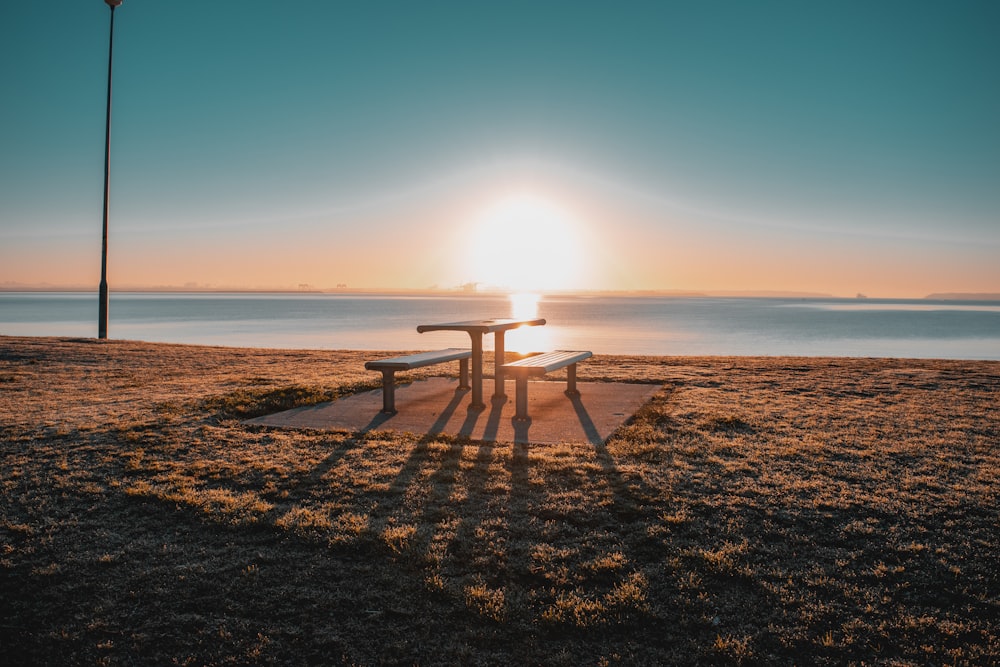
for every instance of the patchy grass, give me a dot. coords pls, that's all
(757, 510)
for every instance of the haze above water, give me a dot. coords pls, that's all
(604, 325)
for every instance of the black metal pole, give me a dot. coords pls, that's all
(102, 312)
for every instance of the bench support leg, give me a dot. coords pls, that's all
(388, 392)
(571, 381)
(463, 374)
(521, 398)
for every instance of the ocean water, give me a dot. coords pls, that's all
(603, 324)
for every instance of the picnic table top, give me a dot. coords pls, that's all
(482, 326)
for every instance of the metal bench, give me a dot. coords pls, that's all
(540, 365)
(388, 367)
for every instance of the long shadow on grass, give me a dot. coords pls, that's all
(589, 428)
(300, 489)
(442, 499)
(173, 588)
(629, 497)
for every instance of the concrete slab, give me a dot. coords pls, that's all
(436, 406)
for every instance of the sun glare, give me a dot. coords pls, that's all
(524, 243)
(524, 306)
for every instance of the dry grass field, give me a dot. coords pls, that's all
(757, 511)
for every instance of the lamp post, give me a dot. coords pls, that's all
(102, 311)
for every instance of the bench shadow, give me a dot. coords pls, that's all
(492, 427)
(442, 421)
(589, 428)
(522, 428)
(378, 420)
(437, 428)
(299, 487)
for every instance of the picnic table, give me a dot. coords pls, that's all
(476, 330)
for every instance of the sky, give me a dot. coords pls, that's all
(823, 147)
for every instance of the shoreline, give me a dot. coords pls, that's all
(366, 353)
(379, 291)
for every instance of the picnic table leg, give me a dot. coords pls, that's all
(498, 361)
(477, 371)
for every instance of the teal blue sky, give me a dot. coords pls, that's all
(832, 147)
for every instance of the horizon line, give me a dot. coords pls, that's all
(464, 290)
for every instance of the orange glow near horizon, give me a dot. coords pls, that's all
(556, 237)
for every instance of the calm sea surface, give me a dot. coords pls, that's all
(603, 324)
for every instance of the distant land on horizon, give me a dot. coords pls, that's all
(964, 296)
(307, 289)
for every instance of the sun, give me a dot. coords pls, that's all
(525, 243)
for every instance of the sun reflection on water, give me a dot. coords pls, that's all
(524, 306)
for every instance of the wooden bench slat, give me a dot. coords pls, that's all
(540, 364)
(419, 359)
(388, 367)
